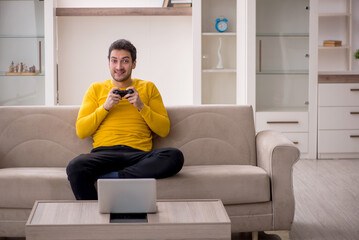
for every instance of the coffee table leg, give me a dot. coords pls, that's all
(254, 235)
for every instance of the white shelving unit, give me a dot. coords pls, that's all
(23, 25)
(277, 76)
(335, 23)
(338, 88)
(214, 85)
(22, 40)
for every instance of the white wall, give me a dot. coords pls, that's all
(164, 46)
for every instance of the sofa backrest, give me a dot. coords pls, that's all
(41, 136)
(212, 134)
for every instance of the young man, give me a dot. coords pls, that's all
(122, 128)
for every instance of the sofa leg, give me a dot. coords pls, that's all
(254, 235)
(284, 235)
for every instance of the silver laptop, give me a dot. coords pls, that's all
(127, 195)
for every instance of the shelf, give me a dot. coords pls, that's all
(333, 48)
(219, 34)
(280, 72)
(3, 73)
(20, 36)
(338, 77)
(170, 11)
(284, 35)
(338, 73)
(282, 109)
(334, 15)
(21, 0)
(219, 70)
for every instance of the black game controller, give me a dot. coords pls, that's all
(123, 93)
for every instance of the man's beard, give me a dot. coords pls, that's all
(122, 78)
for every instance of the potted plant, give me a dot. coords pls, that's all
(356, 54)
(356, 57)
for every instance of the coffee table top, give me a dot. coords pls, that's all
(87, 213)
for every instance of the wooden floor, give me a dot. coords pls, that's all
(327, 201)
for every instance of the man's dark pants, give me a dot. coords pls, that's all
(84, 170)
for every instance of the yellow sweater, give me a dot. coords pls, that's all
(123, 124)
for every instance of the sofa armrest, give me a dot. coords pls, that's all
(276, 154)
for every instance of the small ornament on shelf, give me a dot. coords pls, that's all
(21, 69)
(221, 24)
(220, 63)
(181, 3)
(332, 43)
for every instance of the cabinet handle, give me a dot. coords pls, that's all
(260, 56)
(354, 113)
(354, 136)
(282, 122)
(354, 89)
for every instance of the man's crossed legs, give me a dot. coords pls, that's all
(121, 162)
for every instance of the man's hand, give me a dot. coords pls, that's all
(134, 98)
(112, 99)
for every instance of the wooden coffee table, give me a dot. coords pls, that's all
(175, 219)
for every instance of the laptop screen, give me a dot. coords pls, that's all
(127, 195)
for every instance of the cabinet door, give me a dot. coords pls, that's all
(282, 55)
(22, 80)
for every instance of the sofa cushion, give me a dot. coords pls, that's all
(21, 187)
(233, 184)
(249, 184)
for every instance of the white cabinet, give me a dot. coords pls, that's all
(293, 124)
(338, 120)
(338, 88)
(285, 96)
(215, 53)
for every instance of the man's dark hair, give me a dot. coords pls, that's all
(123, 44)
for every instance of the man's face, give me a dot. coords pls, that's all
(121, 65)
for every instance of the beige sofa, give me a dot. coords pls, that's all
(224, 159)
